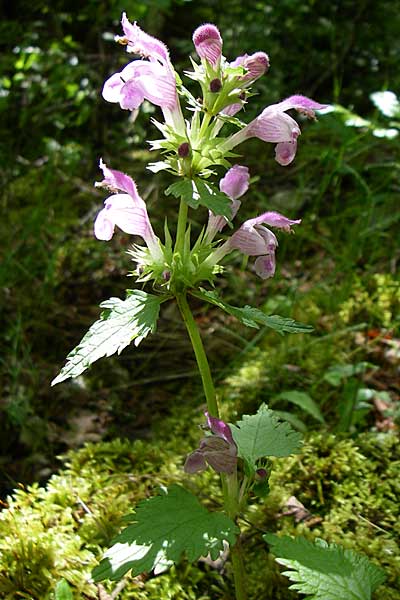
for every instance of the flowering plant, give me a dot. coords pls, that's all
(194, 151)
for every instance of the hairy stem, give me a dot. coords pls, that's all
(229, 482)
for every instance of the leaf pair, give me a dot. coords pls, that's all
(132, 319)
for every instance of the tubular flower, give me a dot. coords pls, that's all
(235, 184)
(208, 43)
(152, 79)
(274, 125)
(127, 211)
(254, 239)
(217, 450)
(256, 65)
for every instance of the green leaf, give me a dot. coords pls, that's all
(63, 591)
(210, 197)
(166, 527)
(120, 323)
(264, 434)
(253, 317)
(183, 189)
(302, 400)
(325, 572)
(337, 373)
(292, 419)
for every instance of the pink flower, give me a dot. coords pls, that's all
(254, 239)
(140, 42)
(274, 125)
(217, 450)
(235, 184)
(152, 79)
(127, 210)
(256, 65)
(208, 43)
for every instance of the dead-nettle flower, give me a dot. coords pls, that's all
(255, 64)
(153, 79)
(217, 450)
(235, 184)
(127, 211)
(253, 239)
(274, 125)
(208, 43)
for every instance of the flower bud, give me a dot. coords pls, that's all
(215, 85)
(257, 64)
(184, 150)
(208, 43)
(261, 473)
(236, 182)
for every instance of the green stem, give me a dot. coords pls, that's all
(181, 229)
(238, 571)
(204, 124)
(229, 482)
(200, 354)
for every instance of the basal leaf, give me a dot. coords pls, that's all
(120, 323)
(165, 528)
(325, 572)
(253, 317)
(264, 434)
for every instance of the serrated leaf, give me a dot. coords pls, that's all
(264, 434)
(63, 591)
(210, 197)
(166, 527)
(302, 400)
(325, 572)
(122, 322)
(183, 189)
(253, 317)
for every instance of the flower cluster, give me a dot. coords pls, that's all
(193, 148)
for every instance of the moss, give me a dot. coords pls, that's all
(63, 529)
(354, 487)
(376, 298)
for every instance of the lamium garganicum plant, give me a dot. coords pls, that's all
(198, 154)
